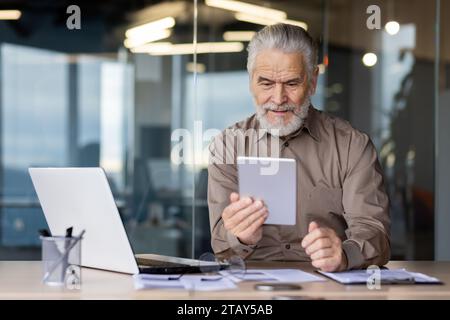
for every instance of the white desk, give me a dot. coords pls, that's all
(22, 280)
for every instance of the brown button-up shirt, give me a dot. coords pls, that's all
(339, 185)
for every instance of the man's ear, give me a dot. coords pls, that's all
(313, 82)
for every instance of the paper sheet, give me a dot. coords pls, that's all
(207, 283)
(281, 275)
(157, 281)
(224, 281)
(188, 282)
(386, 276)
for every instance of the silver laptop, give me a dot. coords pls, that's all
(81, 198)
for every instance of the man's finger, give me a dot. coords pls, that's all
(249, 220)
(234, 197)
(312, 226)
(323, 253)
(254, 227)
(321, 243)
(314, 235)
(236, 206)
(239, 216)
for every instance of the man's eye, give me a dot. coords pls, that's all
(292, 84)
(266, 84)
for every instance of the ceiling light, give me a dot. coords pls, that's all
(300, 24)
(238, 35)
(167, 48)
(266, 21)
(322, 68)
(10, 14)
(195, 67)
(144, 29)
(248, 8)
(143, 39)
(370, 59)
(392, 27)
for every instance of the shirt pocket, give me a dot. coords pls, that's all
(324, 205)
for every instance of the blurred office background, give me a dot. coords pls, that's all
(108, 95)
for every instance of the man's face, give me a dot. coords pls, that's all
(281, 87)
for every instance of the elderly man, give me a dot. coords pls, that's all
(342, 208)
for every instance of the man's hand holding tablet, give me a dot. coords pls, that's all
(262, 194)
(262, 191)
(274, 181)
(244, 218)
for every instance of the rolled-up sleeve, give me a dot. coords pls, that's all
(222, 181)
(366, 206)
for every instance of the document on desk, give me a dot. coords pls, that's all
(396, 276)
(187, 282)
(279, 275)
(157, 281)
(207, 283)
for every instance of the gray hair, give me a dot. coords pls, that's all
(287, 38)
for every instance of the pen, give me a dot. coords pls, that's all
(162, 279)
(398, 281)
(212, 279)
(254, 273)
(44, 233)
(176, 277)
(66, 245)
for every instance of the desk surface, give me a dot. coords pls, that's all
(21, 280)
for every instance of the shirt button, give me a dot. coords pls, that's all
(288, 246)
(286, 144)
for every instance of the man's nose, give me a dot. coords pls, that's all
(279, 96)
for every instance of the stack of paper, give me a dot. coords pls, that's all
(281, 275)
(188, 282)
(226, 280)
(398, 276)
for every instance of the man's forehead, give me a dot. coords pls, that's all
(274, 63)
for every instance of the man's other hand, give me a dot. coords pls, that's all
(244, 218)
(324, 248)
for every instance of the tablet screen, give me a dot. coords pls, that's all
(272, 180)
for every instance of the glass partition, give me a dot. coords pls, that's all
(140, 88)
(442, 119)
(380, 79)
(76, 91)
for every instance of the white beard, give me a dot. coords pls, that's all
(280, 129)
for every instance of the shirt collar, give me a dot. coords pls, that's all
(309, 124)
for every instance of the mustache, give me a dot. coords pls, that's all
(273, 107)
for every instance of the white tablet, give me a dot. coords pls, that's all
(273, 180)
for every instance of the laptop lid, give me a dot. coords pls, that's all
(81, 198)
